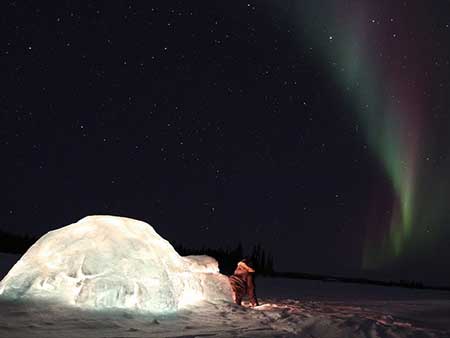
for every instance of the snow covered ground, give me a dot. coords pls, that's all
(290, 308)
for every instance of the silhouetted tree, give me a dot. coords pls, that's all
(228, 258)
(15, 244)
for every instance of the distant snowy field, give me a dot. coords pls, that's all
(290, 308)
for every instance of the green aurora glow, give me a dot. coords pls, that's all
(387, 110)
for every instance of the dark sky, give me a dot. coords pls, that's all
(319, 131)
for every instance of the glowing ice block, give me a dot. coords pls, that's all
(114, 262)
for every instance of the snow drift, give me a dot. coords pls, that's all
(114, 262)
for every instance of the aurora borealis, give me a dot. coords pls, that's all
(319, 129)
(379, 67)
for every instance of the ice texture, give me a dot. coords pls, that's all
(114, 262)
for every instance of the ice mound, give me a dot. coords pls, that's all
(114, 262)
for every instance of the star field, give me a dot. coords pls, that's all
(222, 122)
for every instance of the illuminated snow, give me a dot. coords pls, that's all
(107, 261)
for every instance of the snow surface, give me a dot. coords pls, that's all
(289, 308)
(114, 262)
(341, 311)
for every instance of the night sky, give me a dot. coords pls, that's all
(320, 129)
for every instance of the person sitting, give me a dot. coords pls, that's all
(242, 282)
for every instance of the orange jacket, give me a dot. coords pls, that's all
(243, 283)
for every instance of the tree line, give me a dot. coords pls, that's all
(228, 258)
(15, 244)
